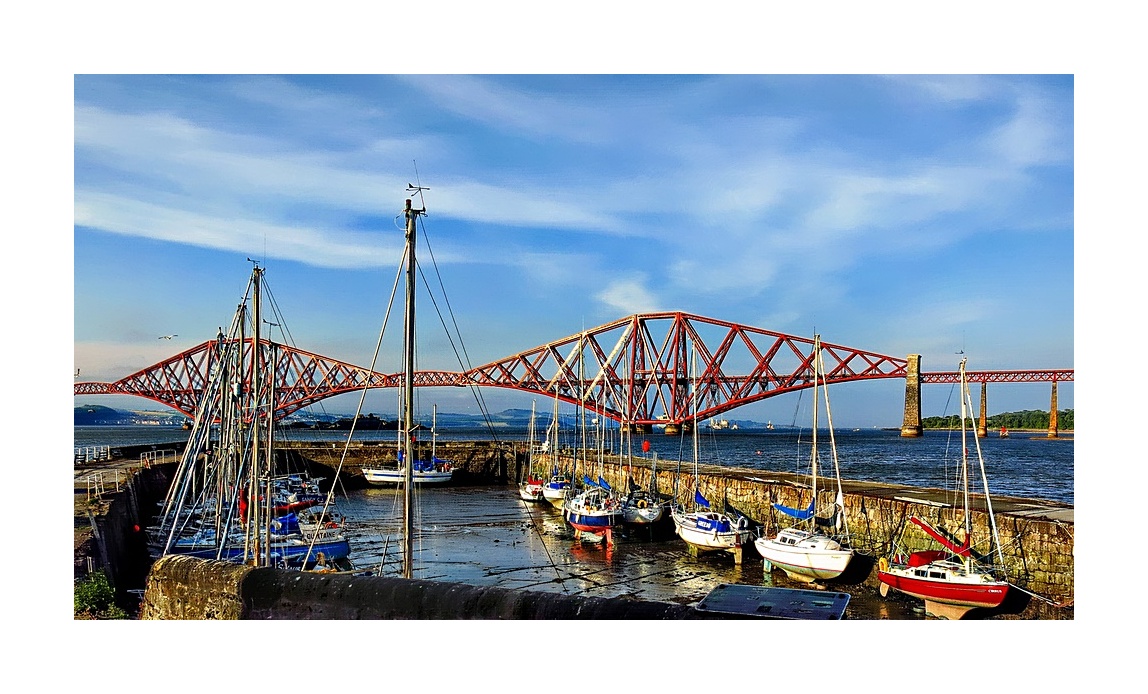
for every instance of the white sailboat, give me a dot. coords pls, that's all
(432, 471)
(804, 551)
(704, 528)
(558, 486)
(530, 486)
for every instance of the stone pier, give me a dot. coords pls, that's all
(911, 425)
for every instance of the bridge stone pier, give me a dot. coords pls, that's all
(911, 425)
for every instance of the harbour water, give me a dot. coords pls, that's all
(1026, 464)
(487, 536)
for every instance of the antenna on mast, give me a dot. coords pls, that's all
(412, 188)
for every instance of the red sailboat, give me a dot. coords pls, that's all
(950, 581)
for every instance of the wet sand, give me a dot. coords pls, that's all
(489, 537)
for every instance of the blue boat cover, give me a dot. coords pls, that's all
(796, 513)
(285, 525)
(701, 500)
(710, 524)
(589, 482)
(602, 484)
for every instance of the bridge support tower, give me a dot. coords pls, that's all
(911, 424)
(1053, 429)
(983, 422)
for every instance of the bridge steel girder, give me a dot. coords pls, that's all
(641, 369)
(644, 369)
(1038, 376)
(300, 378)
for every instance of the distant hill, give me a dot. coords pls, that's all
(92, 415)
(99, 415)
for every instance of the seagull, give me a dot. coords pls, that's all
(166, 337)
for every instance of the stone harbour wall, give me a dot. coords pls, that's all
(188, 588)
(1039, 551)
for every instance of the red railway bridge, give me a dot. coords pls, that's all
(645, 369)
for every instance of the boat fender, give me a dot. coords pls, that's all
(883, 565)
(332, 524)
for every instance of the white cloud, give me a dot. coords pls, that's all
(629, 295)
(1035, 135)
(507, 109)
(947, 88)
(322, 248)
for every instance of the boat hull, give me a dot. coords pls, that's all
(710, 531)
(591, 522)
(556, 495)
(394, 476)
(643, 516)
(530, 492)
(593, 510)
(947, 598)
(808, 557)
(293, 552)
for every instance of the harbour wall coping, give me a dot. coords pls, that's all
(180, 587)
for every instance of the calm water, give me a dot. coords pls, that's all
(1025, 465)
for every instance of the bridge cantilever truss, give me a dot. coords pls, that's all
(652, 368)
(644, 369)
(301, 378)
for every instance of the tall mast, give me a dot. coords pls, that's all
(965, 455)
(816, 407)
(409, 394)
(253, 522)
(694, 383)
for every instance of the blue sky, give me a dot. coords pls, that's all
(891, 213)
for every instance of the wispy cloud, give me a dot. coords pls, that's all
(629, 295)
(321, 248)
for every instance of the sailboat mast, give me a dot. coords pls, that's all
(530, 446)
(408, 394)
(694, 406)
(253, 522)
(965, 454)
(816, 407)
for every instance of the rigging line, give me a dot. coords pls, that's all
(450, 338)
(546, 548)
(362, 398)
(464, 361)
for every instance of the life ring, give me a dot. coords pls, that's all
(331, 524)
(742, 523)
(642, 503)
(883, 565)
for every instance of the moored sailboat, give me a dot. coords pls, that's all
(704, 528)
(558, 486)
(433, 470)
(954, 580)
(226, 497)
(806, 552)
(645, 507)
(530, 485)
